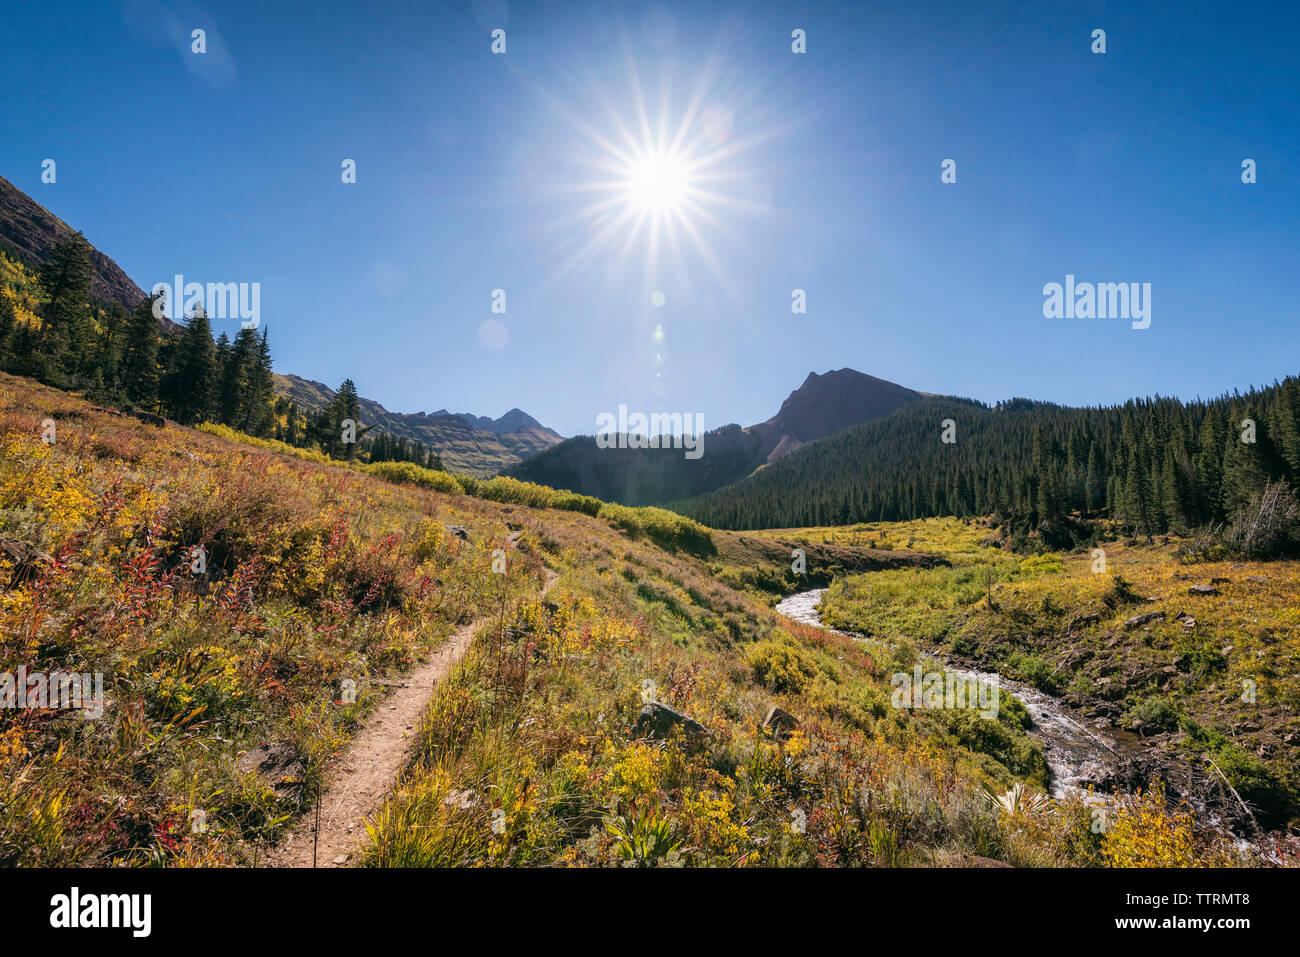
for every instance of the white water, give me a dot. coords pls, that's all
(1075, 753)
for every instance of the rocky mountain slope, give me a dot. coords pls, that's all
(465, 445)
(29, 231)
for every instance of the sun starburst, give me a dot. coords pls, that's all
(665, 182)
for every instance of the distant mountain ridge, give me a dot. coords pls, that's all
(823, 405)
(464, 446)
(516, 420)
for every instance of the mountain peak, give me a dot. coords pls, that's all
(832, 401)
(516, 420)
(825, 404)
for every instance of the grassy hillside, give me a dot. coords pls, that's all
(1198, 658)
(531, 752)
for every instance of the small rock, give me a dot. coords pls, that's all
(780, 722)
(28, 560)
(1105, 710)
(458, 531)
(1137, 621)
(1202, 590)
(342, 859)
(656, 721)
(276, 764)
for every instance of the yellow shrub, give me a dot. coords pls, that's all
(637, 772)
(1144, 833)
(710, 818)
(780, 665)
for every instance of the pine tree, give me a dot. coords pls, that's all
(328, 428)
(139, 367)
(8, 322)
(1095, 483)
(105, 364)
(1245, 471)
(235, 378)
(191, 384)
(349, 410)
(260, 387)
(66, 280)
(1138, 502)
(293, 430)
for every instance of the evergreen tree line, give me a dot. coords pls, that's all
(184, 374)
(1155, 465)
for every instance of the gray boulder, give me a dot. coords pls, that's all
(656, 721)
(780, 722)
(1137, 621)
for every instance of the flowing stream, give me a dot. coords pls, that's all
(1076, 752)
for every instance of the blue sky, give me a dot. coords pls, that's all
(818, 171)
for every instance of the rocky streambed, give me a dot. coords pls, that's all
(1083, 754)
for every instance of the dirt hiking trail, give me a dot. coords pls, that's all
(362, 777)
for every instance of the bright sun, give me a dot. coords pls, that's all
(661, 180)
(658, 183)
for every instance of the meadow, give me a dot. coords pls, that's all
(1199, 657)
(553, 742)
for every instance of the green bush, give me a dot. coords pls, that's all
(1033, 669)
(1152, 715)
(411, 474)
(1046, 563)
(513, 491)
(781, 665)
(666, 529)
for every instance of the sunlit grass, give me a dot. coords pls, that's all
(528, 753)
